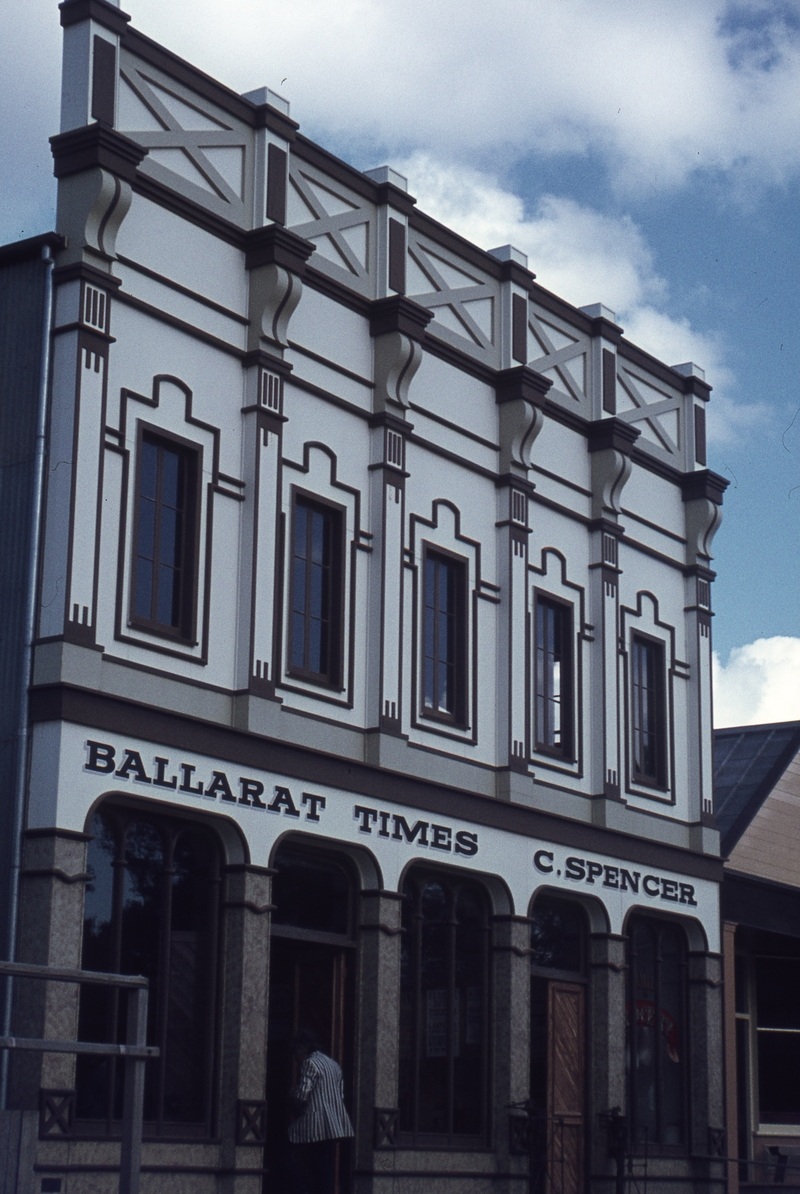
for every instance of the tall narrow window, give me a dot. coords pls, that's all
(443, 1012)
(152, 905)
(647, 693)
(315, 634)
(164, 553)
(553, 678)
(444, 644)
(656, 1012)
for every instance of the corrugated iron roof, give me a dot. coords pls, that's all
(748, 762)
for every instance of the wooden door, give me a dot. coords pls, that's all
(566, 1088)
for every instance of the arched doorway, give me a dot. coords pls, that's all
(312, 984)
(558, 1045)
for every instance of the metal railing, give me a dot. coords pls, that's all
(135, 1051)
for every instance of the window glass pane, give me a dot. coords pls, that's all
(557, 935)
(162, 533)
(642, 1022)
(657, 1033)
(408, 1012)
(97, 909)
(648, 729)
(188, 1003)
(168, 607)
(437, 1027)
(443, 1010)
(310, 892)
(552, 623)
(145, 915)
(147, 529)
(170, 477)
(96, 1021)
(778, 992)
(671, 1035)
(314, 597)
(443, 643)
(140, 941)
(469, 1029)
(168, 547)
(148, 472)
(778, 1069)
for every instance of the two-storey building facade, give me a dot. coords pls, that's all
(370, 682)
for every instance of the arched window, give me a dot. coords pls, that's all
(656, 1013)
(444, 1004)
(151, 908)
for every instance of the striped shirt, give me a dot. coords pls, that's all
(320, 1088)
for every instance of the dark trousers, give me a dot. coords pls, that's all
(312, 1167)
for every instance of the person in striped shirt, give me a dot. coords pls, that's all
(322, 1118)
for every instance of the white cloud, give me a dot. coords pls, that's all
(760, 683)
(585, 257)
(651, 91)
(658, 90)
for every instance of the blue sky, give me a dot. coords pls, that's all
(645, 155)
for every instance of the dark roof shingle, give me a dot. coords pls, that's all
(748, 762)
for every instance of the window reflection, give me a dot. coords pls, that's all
(656, 1014)
(151, 909)
(444, 1008)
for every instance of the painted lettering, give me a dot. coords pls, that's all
(647, 885)
(629, 881)
(466, 843)
(403, 829)
(687, 894)
(593, 869)
(282, 802)
(158, 779)
(253, 790)
(315, 802)
(102, 757)
(366, 815)
(669, 890)
(384, 829)
(575, 869)
(132, 767)
(612, 876)
(219, 786)
(187, 771)
(543, 861)
(441, 836)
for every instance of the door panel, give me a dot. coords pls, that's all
(566, 1087)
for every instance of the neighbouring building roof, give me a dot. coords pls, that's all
(748, 762)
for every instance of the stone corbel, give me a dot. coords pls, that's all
(276, 259)
(397, 326)
(610, 442)
(521, 394)
(702, 496)
(95, 167)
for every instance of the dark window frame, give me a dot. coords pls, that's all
(656, 713)
(774, 1035)
(120, 817)
(458, 567)
(192, 455)
(333, 677)
(417, 878)
(565, 750)
(657, 926)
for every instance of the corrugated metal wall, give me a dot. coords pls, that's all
(22, 296)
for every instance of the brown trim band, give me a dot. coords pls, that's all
(84, 707)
